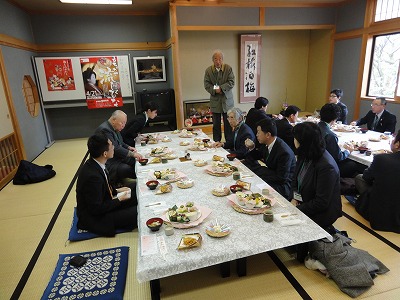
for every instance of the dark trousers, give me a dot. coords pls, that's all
(125, 171)
(125, 217)
(349, 168)
(217, 133)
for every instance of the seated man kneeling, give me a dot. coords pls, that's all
(240, 133)
(274, 162)
(99, 209)
(378, 202)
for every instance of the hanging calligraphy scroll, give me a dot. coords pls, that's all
(250, 67)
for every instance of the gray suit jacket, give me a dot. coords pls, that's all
(220, 103)
(120, 150)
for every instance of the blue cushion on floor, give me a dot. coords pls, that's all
(76, 234)
(103, 276)
(351, 199)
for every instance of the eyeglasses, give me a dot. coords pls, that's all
(332, 96)
(375, 104)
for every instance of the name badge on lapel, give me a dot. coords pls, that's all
(297, 196)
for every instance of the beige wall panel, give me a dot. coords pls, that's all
(318, 69)
(284, 64)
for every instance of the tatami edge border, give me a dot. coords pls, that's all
(24, 279)
(289, 276)
(371, 231)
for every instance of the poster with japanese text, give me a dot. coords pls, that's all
(59, 75)
(101, 79)
(250, 67)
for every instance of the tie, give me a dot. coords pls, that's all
(234, 139)
(267, 155)
(108, 183)
(375, 122)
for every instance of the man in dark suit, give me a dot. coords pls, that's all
(241, 132)
(136, 125)
(378, 118)
(122, 165)
(284, 126)
(101, 209)
(348, 168)
(257, 113)
(378, 187)
(336, 97)
(274, 161)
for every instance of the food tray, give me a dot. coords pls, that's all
(242, 210)
(198, 163)
(217, 234)
(223, 229)
(195, 241)
(221, 194)
(223, 174)
(183, 185)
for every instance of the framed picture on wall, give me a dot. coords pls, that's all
(149, 69)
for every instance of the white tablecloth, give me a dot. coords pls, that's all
(364, 137)
(249, 233)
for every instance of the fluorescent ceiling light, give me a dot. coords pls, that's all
(122, 2)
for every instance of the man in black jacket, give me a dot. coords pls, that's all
(348, 168)
(378, 201)
(136, 125)
(284, 126)
(378, 118)
(274, 161)
(336, 97)
(101, 209)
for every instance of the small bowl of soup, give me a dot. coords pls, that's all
(152, 184)
(154, 223)
(143, 161)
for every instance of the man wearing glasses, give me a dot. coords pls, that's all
(335, 97)
(378, 118)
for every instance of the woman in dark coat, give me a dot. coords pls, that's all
(316, 182)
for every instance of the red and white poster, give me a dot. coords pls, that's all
(59, 75)
(101, 79)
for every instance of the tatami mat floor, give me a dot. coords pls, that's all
(27, 211)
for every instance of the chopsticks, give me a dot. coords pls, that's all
(288, 215)
(153, 204)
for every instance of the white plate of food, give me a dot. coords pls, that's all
(215, 229)
(183, 213)
(251, 201)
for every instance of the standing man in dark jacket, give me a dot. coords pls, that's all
(378, 118)
(101, 209)
(219, 81)
(274, 161)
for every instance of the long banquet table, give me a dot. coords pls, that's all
(158, 256)
(373, 140)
